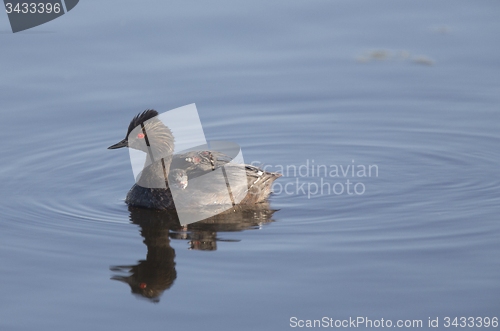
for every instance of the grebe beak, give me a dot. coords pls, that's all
(123, 143)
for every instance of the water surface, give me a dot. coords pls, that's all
(411, 88)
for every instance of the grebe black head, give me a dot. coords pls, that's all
(146, 132)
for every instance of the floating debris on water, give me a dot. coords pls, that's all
(423, 60)
(402, 55)
(363, 59)
(380, 55)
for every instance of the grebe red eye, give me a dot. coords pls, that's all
(143, 285)
(140, 135)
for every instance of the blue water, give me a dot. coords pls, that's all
(409, 88)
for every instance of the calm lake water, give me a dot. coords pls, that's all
(408, 90)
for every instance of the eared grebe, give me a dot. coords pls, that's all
(187, 166)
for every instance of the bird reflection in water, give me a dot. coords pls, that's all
(151, 277)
